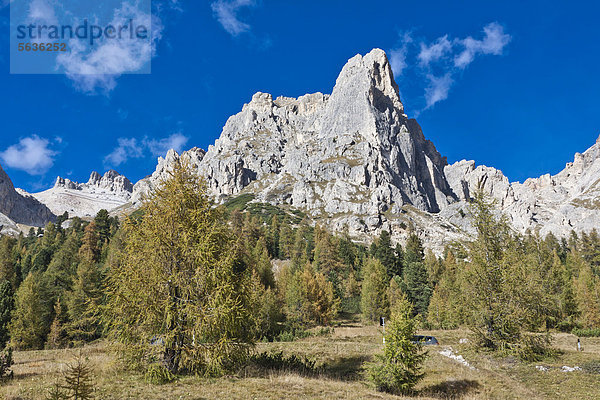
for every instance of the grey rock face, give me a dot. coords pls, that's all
(112, 181)
(21, 207)
(569, 200)
(353, 157)
(352, 152)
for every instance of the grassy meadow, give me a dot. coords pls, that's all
(340, 357)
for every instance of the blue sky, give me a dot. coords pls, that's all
(524, 100)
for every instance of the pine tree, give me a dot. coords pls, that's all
(267, 310)
(395, 293)
(319, 303)
(78, 383)
(90, 249)
(434, 266)
(485, 294)
(102, 224)
(57, 338)
(7, 304)
(415, 276)
(7, 261)
(347, 252)
(446, 309)
(400, 259)
(502, 286)
(588, 297)
(273, 237)
(303, 246)
(290, 288)
(385, 253)
(326, 258)
(351, 297)
(567, 301)
(182, 281)
(374, 302)
(414, 249)
(263, 265)
(61, 270)
(31, 320)
(417, 287)
(286, 242)
(400, 367)
(84, 302)
(86, 295)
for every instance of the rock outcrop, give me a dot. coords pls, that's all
(569, 200)
(107, 191)
(20, 207)
(164, 167)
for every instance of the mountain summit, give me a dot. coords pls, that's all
(353, 157)
(353, 152)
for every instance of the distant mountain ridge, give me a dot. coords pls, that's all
(107, 191)
(354, 161)
(569, 200)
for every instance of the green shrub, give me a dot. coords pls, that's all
(56, 392)
(279, 362)
(591, 367)
(239, 203)
(324, 331)
(6, 361)
(592, 332)
(534, 348)
(157, 374)
(291, 335)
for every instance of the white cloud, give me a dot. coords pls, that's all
(438, 88)
(126, 149)
(32, 155)
(226, 12)
(160, 147)
(435, 51)
(398, 56)
(494, 42)
(98, 68)
(131, 148)
(42, 12)
(439, 62)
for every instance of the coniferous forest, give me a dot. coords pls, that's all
(184, 287)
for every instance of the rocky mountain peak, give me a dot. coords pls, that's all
(353, 154)
(66, 184)
(163, 169)
(371, 77)
(94, 178)
(111, 181)
(365, 101)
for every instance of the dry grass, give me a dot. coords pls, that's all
(341, 357)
